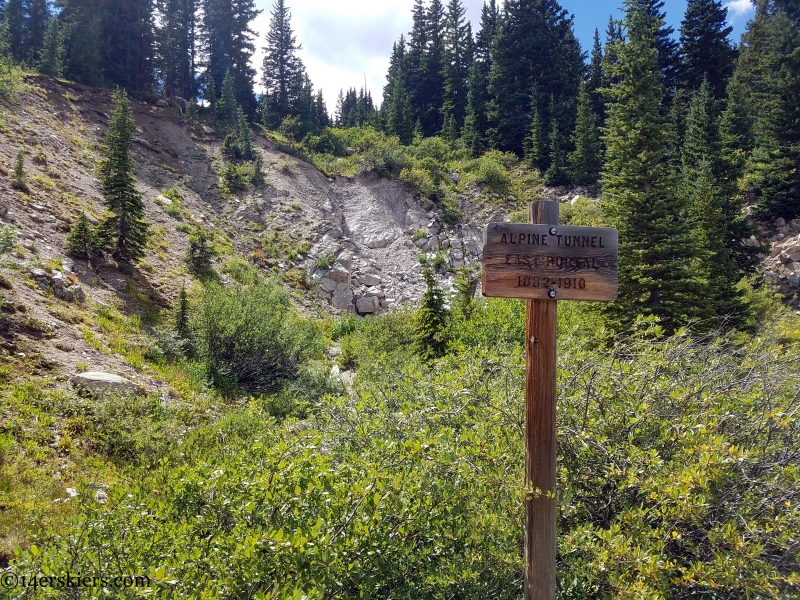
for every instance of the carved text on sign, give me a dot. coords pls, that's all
(547, 261)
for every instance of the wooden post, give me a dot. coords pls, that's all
(540, 434)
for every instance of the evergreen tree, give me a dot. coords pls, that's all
(19, 174)
(706, 53)
(37, 16)
(82, 240)
(668, 49)
(585, 161)
(257, 179)
(770, 66)
(283, 70)
(398, 113)
(464, 303)
(594, 82)
(200, 253)
(227, 44)
(243, 135)
(610, 59)
(657, 251)
(429, 96)
(182, 329)
(535, 44)
(556, 173)
(124, 232)
(535, 154)
(227, 108)
(458, 58)
(14, 16)
(430, 328)
(81, 25)
(476, 121)
(415, 58)
(396, 65)
(175, 38)
(210, 94)
(50, 58)
(322, 118)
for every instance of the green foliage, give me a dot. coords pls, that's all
(585, 161)
(249, 337)
(200, 254)
(234, 178)
(230, 147)
(82, 239)
(50, 57)
(583, 213)
(124, 231)
(464, 304)
(657, 252)
(556, 173)
(227, 107)
(488, 171)
(430, 329)
(18, 173)
(325, 261)
(257, 178)
(8, 239)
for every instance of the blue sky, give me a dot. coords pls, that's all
(347, 42)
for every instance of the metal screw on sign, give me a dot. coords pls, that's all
(538, 261)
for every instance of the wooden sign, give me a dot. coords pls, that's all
(545, 262)
(550, 262)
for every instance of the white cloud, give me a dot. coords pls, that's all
(739, 8)
(343, 42)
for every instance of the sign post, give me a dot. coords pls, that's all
(544, 262)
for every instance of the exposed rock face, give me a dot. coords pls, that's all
(782, 266)
(98, 381)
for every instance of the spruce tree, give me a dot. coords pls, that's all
(199, 254)
(610, 59)
(257, 178)
(50, 57)
(668, 60)
(227, 107)
(81, 25)
(594, 81)
(226, 41)
(706, 52)
(210, 94)
(398, 113)
(458, 57)
(476, 122)
(586, 160)
(182, 329)
(535, 45)
(657, 252)
(82, 240)
(556, 173)
(176, 36)
(19, 175)
(14, 17)
(535, 154)
(282, 75)
(430, 95)
(124, 231)
(415, 58)
(243, 133)
(430, 327)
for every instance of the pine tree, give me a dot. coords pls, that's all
(398, 113)
(52, 50)
(14, 17)
(476, 121)
(415, 58)
(430, 328)
(199, 254)
(657, 251)
(82, 240)
(535, 154)
(124, 232)
(706, 52)
(243, 135)
(429, 96)
(176, 38)
(226, 40)
(182, 329)
(770, 67)
(37, 16)
(610, 58)
(283, 71)
(227, 107)
(126, 44)
(585, 161)
(594, 82)
(322, 117)
(535, 44)
(668, 50)
(81, 26)
(458, 58)
(18, 174)
(257, 179)
(556, 173)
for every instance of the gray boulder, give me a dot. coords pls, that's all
(367, 305)
(98, 382)
(342, 296)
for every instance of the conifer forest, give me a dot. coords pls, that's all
(243, 347)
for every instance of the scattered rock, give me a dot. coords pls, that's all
(98, 381)
(369, 280)
(162, 103)
(367, 305)
(207, 129)
(349, 151)
(343, 296)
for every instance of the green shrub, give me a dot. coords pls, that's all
(8, 239)
(491, 173)
(583, 212)
(292, 128)
(241, 271)
(249, 337)
(234, 178)
(199, 254)
(420, 180)
(326, 142)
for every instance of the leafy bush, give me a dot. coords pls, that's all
(292, 128)
(8, 239)
(420, 180)
(234, 178)
(490, 172)
(249, 337)
(326, 142)
(583, 212)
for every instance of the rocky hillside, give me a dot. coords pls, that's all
(345, 244)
